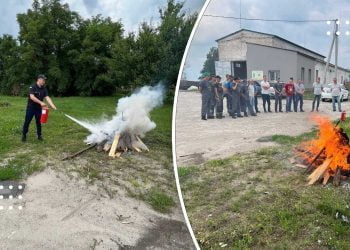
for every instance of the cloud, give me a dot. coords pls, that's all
(310, 35)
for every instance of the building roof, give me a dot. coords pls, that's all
(272, 35)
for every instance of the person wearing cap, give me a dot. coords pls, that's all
(37, 94)
(235, 91)
(205, 88)
(220, 98)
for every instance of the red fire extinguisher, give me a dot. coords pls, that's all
(44, 115)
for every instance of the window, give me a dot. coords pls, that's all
(302, 74)
(274, 75)
(309, 76)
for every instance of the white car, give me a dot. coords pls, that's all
(326, 94)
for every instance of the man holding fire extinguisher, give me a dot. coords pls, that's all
(37, 94)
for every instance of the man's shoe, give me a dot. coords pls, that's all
(211, 117)
(234, 117)
(240, 116)
(281, 111)
(258, 111)
(40, 138)
(302, 111)
(24, 138)
(253, 114)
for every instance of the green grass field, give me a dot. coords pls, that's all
(259, 200)
(147, 176)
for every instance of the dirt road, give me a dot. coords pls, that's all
(198, 141)
(63, 213)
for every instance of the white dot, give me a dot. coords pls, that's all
(1, 197)
(20, 187)
(328, 22)
(347, 33)
(20, 207)
(338, 33)
(10, 187)
(10, 207)
(328, 33)
(347, 22)
(337, 22)
(1, 187)
(1, 207)
(20, 197)
(10, 197)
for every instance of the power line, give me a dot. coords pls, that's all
(271, 20)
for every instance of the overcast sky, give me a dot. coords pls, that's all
(132, 12)
(310, 35)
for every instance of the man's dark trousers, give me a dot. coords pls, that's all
(31, 112)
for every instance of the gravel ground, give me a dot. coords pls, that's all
(198, 141)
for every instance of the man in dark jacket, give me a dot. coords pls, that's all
(36, 96)
(205, 88)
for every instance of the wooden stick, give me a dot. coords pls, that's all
(107, 147)
(114, 145)
(117, 154)
(336, 180)
(319, 172)
(137, 149)
(78, 153)
(326, 178)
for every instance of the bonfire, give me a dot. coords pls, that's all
(328, 155)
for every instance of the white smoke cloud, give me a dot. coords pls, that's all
(132, 116)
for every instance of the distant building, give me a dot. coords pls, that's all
(251, 54)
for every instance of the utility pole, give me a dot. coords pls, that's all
(336, 47)
(330, 52)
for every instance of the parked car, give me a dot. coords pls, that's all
(326, 94)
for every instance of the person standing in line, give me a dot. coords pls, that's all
(278, 87)
(205, 90)
(236, 112)
(318, 88)
(295, 98)
(289, 90)
(247, 101)
(243, 94)
(228, 94)
(213, 97)
(336, 94)
(220, 100)
(265, 93)
(257, 91)
(299, 93)
(251, 93)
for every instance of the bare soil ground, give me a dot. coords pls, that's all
(198, 141)
(57, 207)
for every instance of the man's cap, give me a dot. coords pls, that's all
(42, 77)
(236, 78)
(205, 74)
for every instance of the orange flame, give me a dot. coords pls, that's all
(331, 141)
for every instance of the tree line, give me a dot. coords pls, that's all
(92, 57)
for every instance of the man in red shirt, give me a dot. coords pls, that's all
(289, 90)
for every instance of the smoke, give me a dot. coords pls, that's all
(132, 116)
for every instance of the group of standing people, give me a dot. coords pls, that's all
(242, 96)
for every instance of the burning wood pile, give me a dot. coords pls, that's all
(328, 156)
(123, 132)
(123, 143)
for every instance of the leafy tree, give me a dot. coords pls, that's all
(209, 64)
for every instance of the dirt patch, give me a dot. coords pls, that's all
(221, 138)
(61, 213)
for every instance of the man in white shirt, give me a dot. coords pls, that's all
(336, 94)
(265, 94)
(318, 87)
(299, 94)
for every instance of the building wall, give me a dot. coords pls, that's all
(262, 58)
(342, 74)
(308, 64)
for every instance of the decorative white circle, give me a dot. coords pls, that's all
(328, 33)
(10, 187)
(338, 33)
(10, 197)
(20, 207)
(347, 33)
(347, 22)
(1, 187)
(1, 207)
(20, 197)
(328, 22)
(10, 207)
(20, 187)
(1, 197)
(337, 22)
